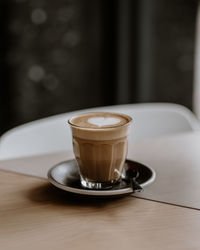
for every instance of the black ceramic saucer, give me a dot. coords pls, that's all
(65, 176)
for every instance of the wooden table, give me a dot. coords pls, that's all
(35, 215)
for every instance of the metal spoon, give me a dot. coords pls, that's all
(130, 177)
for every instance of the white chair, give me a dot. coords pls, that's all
(53, 134)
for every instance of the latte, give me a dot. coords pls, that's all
(100, 146)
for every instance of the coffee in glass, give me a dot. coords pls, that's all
(100, 146)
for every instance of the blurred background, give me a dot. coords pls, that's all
(64, 55)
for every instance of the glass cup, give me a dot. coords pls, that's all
(100, 151)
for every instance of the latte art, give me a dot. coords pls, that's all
(103, 121)
(99, 120)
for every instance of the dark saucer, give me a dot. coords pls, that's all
(65, 176)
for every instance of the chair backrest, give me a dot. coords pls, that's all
(53, 134)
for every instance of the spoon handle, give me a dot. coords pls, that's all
(136, 186)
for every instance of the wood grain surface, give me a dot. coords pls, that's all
(35, 215)
(176, 160)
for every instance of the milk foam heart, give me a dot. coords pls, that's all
(103, 121)
(99, 120)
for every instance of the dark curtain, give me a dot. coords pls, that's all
(59, 56)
